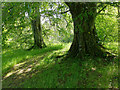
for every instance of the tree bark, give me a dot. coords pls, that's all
(38, 39)
(85, 39)
(118, 28)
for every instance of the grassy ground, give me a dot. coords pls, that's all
(42, 69)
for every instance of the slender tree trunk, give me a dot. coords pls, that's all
(37, 30)
(85, 40)
(118, 19)
(38, 39)
(118, 44)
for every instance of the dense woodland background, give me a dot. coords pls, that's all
(60, 44)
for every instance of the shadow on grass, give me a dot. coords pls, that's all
(12, 57)
(28, 68)
(43, 72)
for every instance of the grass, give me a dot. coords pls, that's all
(43, 70)
(87, 74)
(11, 57)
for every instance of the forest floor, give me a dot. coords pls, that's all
(42, 69)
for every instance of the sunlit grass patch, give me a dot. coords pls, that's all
(13, 57)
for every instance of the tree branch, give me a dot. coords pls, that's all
(51, 12)
(64, 12)
(102, 9)
(107, 14)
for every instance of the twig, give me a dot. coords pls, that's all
(102, 9)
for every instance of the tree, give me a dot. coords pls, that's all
(85, 38)
(38, 39)
(13, 23)
(14, 18)
(37, 30)
(119, 27)
(106, 25)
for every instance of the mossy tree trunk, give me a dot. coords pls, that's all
(38, 39)
(85, 41)
(37, 30)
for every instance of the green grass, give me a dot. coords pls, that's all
(11, 57)
(43, 70)
(86, 74)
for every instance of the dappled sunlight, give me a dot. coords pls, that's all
(60, 44)
(13, 57)
(112, 47)
(38, 64)
(93, 68)
(28, 70)
(94, 73)
(98, 75)
(111, 43)
(23, 68)
(20, 71)
(29, 67)
(8, 74)
(17, 65)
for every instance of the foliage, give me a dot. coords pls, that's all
(48, 67)
(107, 25)
(17, 31)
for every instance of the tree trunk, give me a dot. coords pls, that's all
(38, 39)
(118, 28)
(85, 41)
